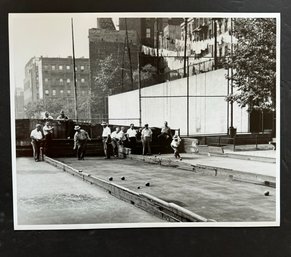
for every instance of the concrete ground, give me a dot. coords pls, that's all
(212, 197)
(47, 195)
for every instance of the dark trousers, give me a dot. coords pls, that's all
(132, 142)
(36, 148)
(81, 149)
(146, 141)
(47, 143)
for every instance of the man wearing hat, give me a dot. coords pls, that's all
(80, 142)
(146, 139)
(37, 137)
(106, 139)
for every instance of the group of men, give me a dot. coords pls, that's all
(41, 136)
(119, 138)
(113, 142)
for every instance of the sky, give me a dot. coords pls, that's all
(46, 35)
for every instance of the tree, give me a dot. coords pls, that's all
(254, 64)
(108, 75)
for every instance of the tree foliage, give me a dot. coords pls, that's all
(54, 105)
(108, 75)
(254, 64)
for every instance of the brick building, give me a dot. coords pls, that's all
(51, 78)
(103, 42)
(124, 45)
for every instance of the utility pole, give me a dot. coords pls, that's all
(157, 44)
(74, 73)
(139, 88)
(129, 55)
(185, 47)
(215, 43)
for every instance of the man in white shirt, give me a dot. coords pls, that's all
(47, 132)
(106, 139)
(131, 135)
(37, 137)
(146, 139)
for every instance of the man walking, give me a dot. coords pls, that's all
(80, 142)
(37, 137)
(146, 139)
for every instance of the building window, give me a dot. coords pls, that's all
(61, 91)
(60, 67)
(82, 68)
(46, 92)
(148, 33)
(53, 67)
(61, 81)
(46, 80)
(69, 92)
(76, 68)
(54, 92)
(68, 81)
(83, 80)
(68, 67)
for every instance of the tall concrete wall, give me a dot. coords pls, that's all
(208, 110)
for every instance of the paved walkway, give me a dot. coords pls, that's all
(48, 196)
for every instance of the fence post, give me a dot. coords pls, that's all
(234, 144)
(256, 142)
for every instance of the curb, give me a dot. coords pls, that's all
(236, 175)
(160, 208)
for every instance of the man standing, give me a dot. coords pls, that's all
(66, 124)
(47, 116)
(166, 135)
(80, 142)
(106, 139)
(47, 132)
(115, 139)
(131, 134)
(36, 136)
(146, 139)
(62, 116)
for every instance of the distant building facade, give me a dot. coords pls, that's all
(51, 78)
(205, 30)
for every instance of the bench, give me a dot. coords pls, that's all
(273, 143)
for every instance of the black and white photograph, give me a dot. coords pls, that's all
(122, 120)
